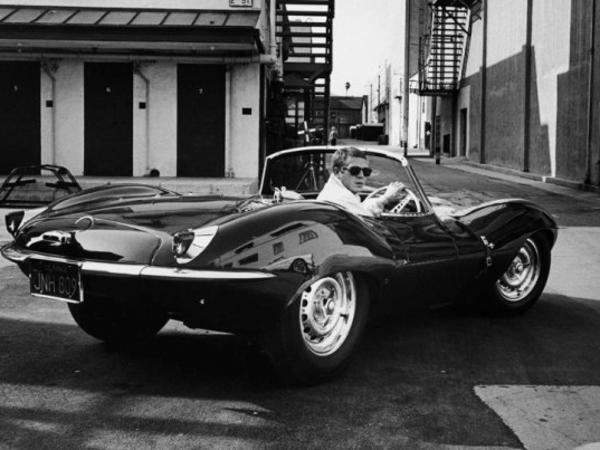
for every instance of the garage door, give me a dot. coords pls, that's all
(19, 114)
(200, 121)
(108, 119)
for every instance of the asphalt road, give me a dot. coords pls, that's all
(446, 379)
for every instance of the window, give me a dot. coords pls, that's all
(307, 236)
(277, 248)
(249, 259)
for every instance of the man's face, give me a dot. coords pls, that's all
(354, 183)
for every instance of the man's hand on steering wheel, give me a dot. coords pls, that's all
(393, 192)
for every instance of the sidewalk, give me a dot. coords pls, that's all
(569, 189)
(549, 184)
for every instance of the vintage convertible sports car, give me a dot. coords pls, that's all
(294, 274)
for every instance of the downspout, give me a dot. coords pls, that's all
(48, 68)
(272, 33)
(588, 149)
(137, 70)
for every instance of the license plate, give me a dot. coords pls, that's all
(55, 280)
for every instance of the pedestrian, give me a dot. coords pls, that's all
(333, 136)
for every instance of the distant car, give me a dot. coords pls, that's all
(294, 274)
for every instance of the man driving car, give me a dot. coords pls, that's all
(350, 170)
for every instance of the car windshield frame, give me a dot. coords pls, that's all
(266, 191)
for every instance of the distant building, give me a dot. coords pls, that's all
(345, 112)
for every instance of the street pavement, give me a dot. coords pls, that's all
(444, 379)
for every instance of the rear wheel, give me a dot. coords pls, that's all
(117, 322)
(521, 285)
(318, 332)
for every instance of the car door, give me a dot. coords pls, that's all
(428, 274)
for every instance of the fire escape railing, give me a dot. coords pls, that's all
(442, 51)
(304, 33)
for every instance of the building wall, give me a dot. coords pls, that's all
(505, 83)
(155, 128)
(461, 102)
(155, 85)
(470, 94)
(63, 141)
(557, 120)
(572, 92)
(550, 58)
(244, 129)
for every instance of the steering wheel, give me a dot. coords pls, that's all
(399, 207)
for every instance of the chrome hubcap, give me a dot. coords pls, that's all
(522, 275)
(326, 313)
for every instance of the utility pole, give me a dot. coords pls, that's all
(370, 105)
(405, 89)
(378, 94)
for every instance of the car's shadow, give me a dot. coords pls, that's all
(410, 383)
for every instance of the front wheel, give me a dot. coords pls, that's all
(118, 323)
(317, 333)
(521, 285)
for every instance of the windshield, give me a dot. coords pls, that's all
(306, 172)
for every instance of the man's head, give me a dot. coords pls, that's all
(351, 167)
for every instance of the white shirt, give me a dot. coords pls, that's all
(334, 191)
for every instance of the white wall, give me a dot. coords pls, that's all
(155, 128)
(507, 31)
(244, 129)
(549, 39)
(475, 53)
(46, 119)
(68, 107)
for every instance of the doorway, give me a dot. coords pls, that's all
(200, 120)
(463, 132)
(20, 121)
(108, 116)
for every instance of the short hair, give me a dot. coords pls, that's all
(341, 155)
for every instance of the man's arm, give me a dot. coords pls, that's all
(378, 204)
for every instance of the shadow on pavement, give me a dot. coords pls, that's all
(410, 384)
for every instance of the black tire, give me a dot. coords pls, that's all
(521, 285)
(118, 323)
(293, 346)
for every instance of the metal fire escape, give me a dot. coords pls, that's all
(304, 32)
(443, 49)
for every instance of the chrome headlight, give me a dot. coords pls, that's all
(190, 243)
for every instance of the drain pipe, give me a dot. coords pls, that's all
(272, 57)
(49, 67)
(588, 149)
(138, 71)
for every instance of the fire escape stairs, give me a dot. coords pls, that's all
(304, 33)
(442, 51)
